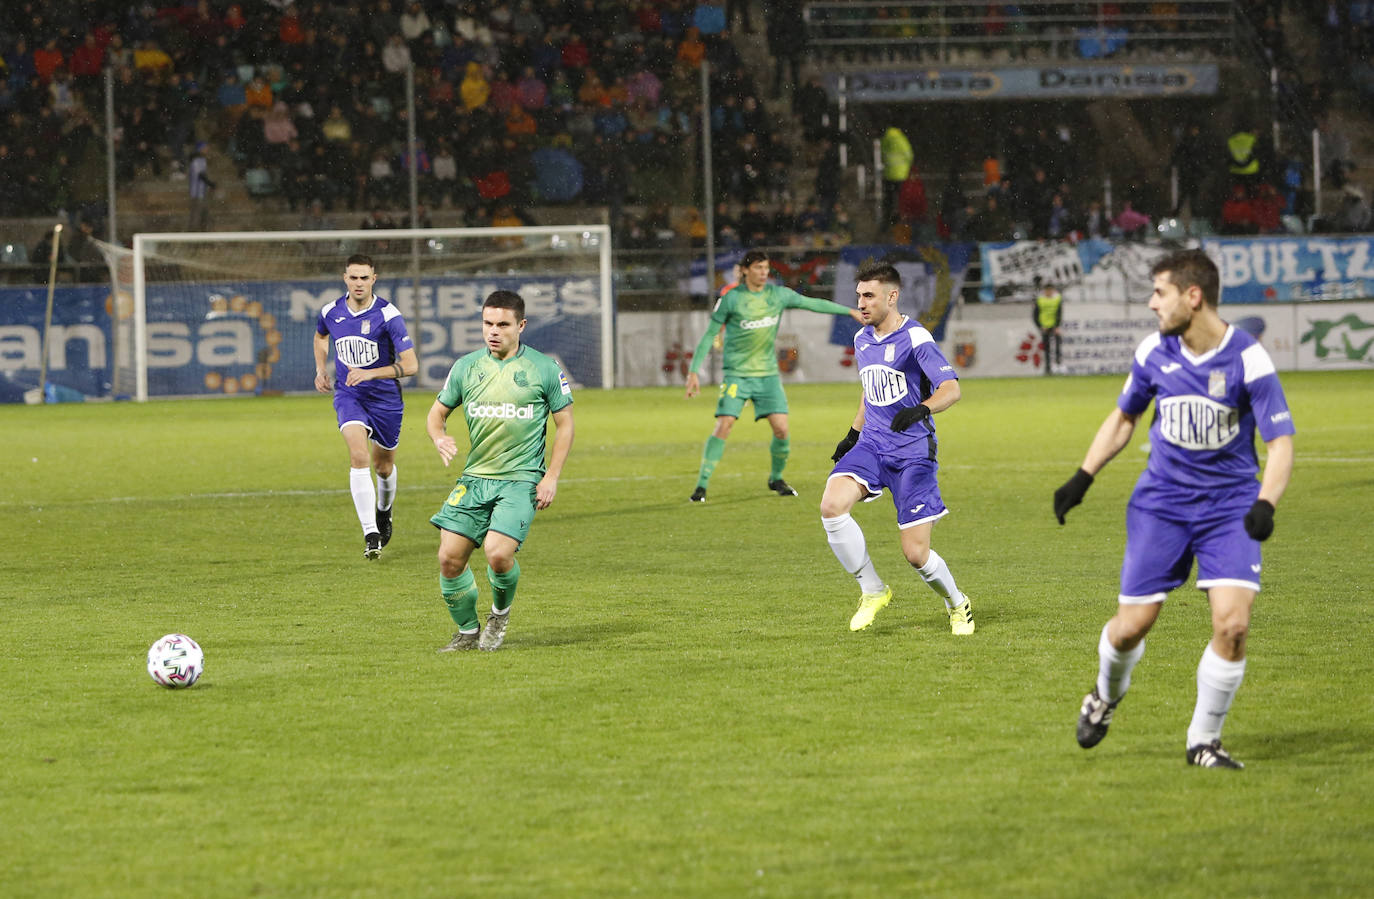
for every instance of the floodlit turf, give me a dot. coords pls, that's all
(679, 708)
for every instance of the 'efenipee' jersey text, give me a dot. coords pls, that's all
(898, 370)
(1207, 409)
(751, 320)
(372, 338)
(505, 402)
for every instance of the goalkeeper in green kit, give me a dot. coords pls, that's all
(751, 313)
(507, 391)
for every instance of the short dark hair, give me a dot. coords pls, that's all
(361, 259)
(506, 299)
(1191, 268)
(753, 256)
(876, 270)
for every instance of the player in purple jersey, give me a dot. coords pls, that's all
(1212, 387)
(372, 352)
(906, 380)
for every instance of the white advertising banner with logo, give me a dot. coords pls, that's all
(999, 340)
(1099, 338)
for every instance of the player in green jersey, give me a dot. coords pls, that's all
(750, 314)
(507, 392)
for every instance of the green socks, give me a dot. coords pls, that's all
(460, 595)
(777, 451)
(503, 587)
(715, 448)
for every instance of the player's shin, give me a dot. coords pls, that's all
(386, 490)
(503, 586)
(1115, 666)
(1217, 683)
(847, 542)
(938, 576)
(715, 448)
(364, 498)
(778, 451)
(460, 595)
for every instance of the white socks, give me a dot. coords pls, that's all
(936, 573)
(1217, 683)
(386, 490)
(364, 498)
(847, 543)
(1114, 667)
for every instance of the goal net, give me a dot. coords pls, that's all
(234, 313)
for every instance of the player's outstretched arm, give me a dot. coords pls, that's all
(1113, 435)
(547, 488)
(435, 426)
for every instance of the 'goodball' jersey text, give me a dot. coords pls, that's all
(751, 327)
(505, 403)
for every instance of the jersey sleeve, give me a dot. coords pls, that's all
(1272, 417)
(396, 329)
(1138, 390)
(933, 363)
(452, 393)
(321, 327)
(557, 390)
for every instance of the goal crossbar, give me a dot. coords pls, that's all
(530, 242)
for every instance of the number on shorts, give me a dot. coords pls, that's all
(456, 497)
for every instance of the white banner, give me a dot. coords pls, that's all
(1333, 335)
(999, 340)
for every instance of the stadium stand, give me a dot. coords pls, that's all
(565, 109)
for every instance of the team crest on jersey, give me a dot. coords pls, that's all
(890, 353)
(1216, 384)
(521, 380)
(367, 327)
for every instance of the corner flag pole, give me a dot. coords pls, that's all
(47, 315)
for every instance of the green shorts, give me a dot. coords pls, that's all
(478, 505)
(766, 394)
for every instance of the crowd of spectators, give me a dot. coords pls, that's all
(310, 96)
(523, 102)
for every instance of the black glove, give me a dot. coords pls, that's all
(1259, 521)
(909, 415)
(1071, 494)
(845, 445)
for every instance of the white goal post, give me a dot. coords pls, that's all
(223, 313)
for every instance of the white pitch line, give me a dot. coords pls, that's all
(436, 488)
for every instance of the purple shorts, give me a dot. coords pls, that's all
(381, 417)
(1164, 535)
(915, 493)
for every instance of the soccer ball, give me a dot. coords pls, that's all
(175, 661)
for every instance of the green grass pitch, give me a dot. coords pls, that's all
(680, 708)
